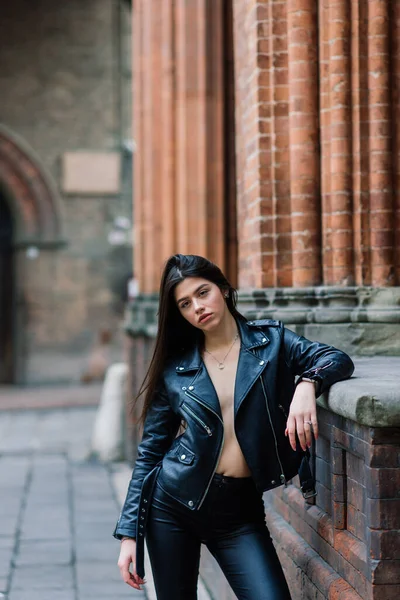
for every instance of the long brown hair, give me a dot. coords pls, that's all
(175, 334)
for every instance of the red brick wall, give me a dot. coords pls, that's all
(317, 111)
(178, 127)
(353, 524)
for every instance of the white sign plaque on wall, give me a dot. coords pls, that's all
(91, 173)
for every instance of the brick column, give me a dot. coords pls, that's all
(340, 210)
(167, 119)
(262, 143)
(254, 207)
(179, 129)
(276, 40)
(304, 142)
(138, 83)
(380, 136)
(359, 76)
(395, 20)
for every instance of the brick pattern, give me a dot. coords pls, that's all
(354, 521)
(317, 142)
(317, 151)
(37, 202)
(395, 84)
(303, 149)
(179, 129)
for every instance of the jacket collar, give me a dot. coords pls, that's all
(251, 337)
(252, 362)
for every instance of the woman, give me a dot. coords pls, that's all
(224, 421)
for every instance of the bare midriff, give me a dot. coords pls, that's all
(232, 462)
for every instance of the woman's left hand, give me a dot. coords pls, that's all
(303, 408)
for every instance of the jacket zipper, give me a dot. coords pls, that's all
(220, 449)
(318, 369)
(282, 476)
(190, 411)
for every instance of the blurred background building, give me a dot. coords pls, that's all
(65, 184)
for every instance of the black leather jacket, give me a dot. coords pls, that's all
(270, 358)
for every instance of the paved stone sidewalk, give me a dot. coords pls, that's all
(57, 510)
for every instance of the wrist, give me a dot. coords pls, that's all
(315, 382)
(125, 537)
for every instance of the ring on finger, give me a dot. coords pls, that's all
(307, 422)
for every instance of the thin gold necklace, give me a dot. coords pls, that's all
(221, 364)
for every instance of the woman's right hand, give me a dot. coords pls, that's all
(127, 556)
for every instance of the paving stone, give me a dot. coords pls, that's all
(52, 529)
(8, 526)
(109, 591)
(5, 561)
(3, 585)
(56, 552)
(97, 572)
(45, 531)
(45, 577)
(6, 542)
(41, 594)
(95, 551)
(96, 530)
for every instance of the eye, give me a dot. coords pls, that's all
(203, 292)
(184, 304)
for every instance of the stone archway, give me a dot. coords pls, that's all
(30, 215)
(32, 196)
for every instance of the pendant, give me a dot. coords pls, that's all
(221, 366)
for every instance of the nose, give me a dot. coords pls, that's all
(197, 306)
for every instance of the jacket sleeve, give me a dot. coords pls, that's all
(314, 360)
(160, 428)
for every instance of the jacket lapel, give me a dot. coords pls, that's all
(253, 359)
(195, 380)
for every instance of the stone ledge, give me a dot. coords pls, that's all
(323, 304)
(371, 397)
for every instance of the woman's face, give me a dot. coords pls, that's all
(200, 302)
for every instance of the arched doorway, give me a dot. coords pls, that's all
(30, 221)
(7, 293)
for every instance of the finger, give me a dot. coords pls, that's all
(127, 575)
(136, 577)
(291, 429)
(307, 432)
(300, 432)
(129, 579)
(315, 425)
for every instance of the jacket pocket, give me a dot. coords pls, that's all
(184, 455)
(187, 408)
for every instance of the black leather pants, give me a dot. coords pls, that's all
(231, 523)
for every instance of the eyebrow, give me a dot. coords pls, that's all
(195, 292)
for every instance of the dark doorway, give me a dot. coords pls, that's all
(6, 293)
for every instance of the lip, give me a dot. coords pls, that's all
(205, 317)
